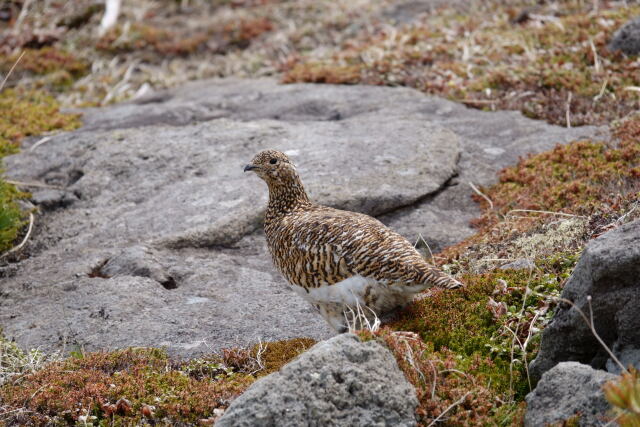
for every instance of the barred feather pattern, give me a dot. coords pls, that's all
(317, 249)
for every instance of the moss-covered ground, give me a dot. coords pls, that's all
(548, 60)
(133, 386)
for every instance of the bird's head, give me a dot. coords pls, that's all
(273, 167)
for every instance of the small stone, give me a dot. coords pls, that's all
(627, 38)
(52, 199)
(519, 264)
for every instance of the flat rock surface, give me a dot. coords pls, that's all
(153, 237)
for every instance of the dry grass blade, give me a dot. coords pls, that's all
(481, 194)
(453, 405)
(262, 348)
(568, 110)
(24, 241)
(545, 212)
(6, 78)
(39, 143)
(421, 239)
(596, 58)
(32, 184)
(357, 319)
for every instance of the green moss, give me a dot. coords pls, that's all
(22, 114)
(478, 339)
(11, 216)
(25, 113)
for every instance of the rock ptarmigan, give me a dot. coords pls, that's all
(339, 261)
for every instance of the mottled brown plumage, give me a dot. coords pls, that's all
(337, 259)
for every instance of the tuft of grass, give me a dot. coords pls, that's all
(15, 362)
(623, 394)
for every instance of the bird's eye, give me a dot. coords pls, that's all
(273, 161)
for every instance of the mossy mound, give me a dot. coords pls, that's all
(26, 113)
(471, 346)
(555, 201)
(137, 385)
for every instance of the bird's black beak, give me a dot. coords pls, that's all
(250, 167)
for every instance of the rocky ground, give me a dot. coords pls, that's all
(139, 230)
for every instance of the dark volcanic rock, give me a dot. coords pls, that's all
(609, 272)
(338, 382)
(568, 389)
(627, 38)
(161, 198)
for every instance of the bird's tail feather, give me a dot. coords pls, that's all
(443, 280)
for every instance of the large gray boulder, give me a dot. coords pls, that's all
(154, 237)
(609, 272)
(627, 38)
(338, 382)
(567, 390)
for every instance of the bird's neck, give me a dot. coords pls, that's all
(285, 196)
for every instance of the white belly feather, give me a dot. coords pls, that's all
(332, 301)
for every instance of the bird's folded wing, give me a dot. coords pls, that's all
(331, 245)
